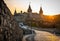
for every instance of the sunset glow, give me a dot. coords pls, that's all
(50, 7)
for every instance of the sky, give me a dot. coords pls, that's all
(50, 7)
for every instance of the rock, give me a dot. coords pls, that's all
(9, 29)
(28, 31)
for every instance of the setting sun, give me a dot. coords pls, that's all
(49, 14)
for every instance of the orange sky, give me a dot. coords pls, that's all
(50, 7)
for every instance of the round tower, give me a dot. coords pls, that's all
(41, 11)
(29, 11)
(15, 12)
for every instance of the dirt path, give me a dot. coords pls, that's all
(41, 36)
(45, 36)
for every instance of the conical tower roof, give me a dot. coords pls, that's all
(41, 11)
(15, 12)
(29, 8)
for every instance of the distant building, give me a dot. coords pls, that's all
(20, 17)
(29, 15)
